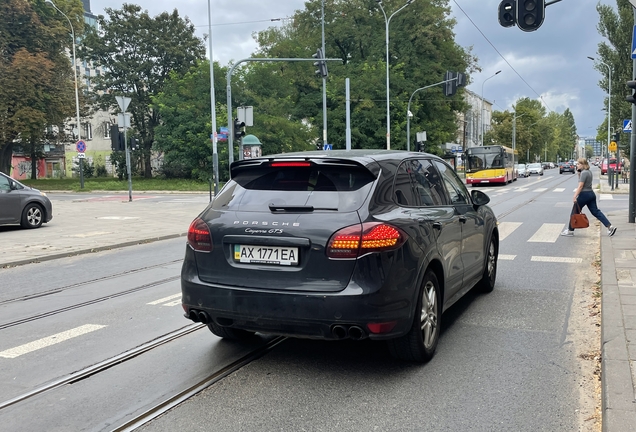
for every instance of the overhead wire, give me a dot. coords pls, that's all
(501, 55)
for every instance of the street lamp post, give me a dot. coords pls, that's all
(77, 111)
(481, 111)
(215, 155)
(388, 112)
(609, 101)
(514, 135)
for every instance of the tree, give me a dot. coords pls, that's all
(184, 134)
(422, 48)
(616, 26)
(138, 54)
(36, 86)
(539, 136)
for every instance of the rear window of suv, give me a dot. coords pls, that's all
(304, 178)
(323, 187)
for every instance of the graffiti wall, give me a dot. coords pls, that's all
(22, 168)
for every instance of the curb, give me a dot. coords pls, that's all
(617, 391)
(91, 250)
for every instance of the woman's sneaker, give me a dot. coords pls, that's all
(569, 233)
(611, 231)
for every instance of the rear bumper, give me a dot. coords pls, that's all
(486, 181)
(310, 315)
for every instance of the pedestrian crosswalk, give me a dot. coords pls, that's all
(492, 193)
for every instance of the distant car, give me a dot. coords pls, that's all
(359, 244)
(612, 164)
(567, 166)
(20, 204)
(522, 170)
(535, 168)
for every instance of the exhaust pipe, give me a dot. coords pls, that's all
(356, 333)
(204, 317)
(339, 332)
(193, 315)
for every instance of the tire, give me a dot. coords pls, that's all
(32, 216)
(419, 344)
(230, 333)
(487, 282)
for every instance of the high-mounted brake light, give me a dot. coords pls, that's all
(358, 240)
(199, 237)
(290, 164)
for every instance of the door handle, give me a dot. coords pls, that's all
(437, 225)
(462, 219)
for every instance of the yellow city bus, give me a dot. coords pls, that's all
(490, 164)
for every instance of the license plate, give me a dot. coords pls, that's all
(274, 255)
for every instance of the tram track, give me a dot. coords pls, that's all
(88, 302)
(87, 282)
(103, 365)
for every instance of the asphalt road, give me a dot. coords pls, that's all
(509, 360)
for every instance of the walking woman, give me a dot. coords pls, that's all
(585, 196)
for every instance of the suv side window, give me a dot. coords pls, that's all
(456, 190)
(403, 193)
(428, 185)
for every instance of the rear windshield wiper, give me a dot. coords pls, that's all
(297, 209)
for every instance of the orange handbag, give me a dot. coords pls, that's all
(579, 220)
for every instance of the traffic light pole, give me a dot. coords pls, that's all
(632, 149)
(230, 118)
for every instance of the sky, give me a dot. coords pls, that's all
(549, 64)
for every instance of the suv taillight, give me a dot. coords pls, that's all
(357, 240)
(199, 237)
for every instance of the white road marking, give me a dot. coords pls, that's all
(556, 259)
(559, 189)
(604, 197)
(507, 257)
(174, 303)
(117, 217)
(507, 228)
(49, 340)
(548, 233)
(165, 299)
(521, 189)
(540, 190)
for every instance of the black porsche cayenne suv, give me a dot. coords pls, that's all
(342, 244)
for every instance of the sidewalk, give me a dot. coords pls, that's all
(618, 326)
(90, 224)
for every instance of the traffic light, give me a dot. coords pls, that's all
(631, 98)
(450, 86)
(116, 139)
(453, 80)
(321, 64)
(530, 14)
(507, 13)
(238, 129)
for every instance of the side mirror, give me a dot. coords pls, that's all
(479, 198)
(13, 185)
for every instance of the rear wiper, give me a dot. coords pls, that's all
(291, 209)
(297, 209)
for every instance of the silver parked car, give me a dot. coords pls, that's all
(20, 204)
(535, 168)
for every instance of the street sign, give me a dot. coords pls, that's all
(123, 102)
(634, 43)
(326, 146)
(81, 155)
(627, 126)
(80, 146)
